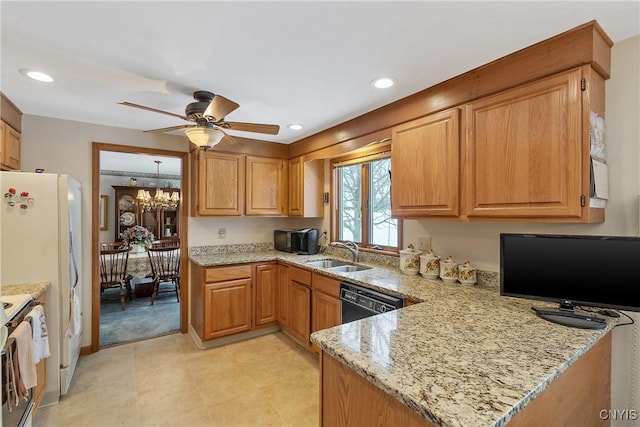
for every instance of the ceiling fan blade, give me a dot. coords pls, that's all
(154, 110)
(170, 128)
(219, 107)
(228, 139)
(251, 127)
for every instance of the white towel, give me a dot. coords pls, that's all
(40, 334)
(75, 316)
(24, 346)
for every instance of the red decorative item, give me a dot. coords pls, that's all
(23, 200)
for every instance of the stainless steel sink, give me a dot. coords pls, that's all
(327, 263)
(349, 268)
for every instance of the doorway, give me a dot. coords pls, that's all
(106, 229)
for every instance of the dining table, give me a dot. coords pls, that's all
(139, 265)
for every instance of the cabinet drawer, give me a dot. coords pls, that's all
(300, 275)
(227, 273)
(326, 284)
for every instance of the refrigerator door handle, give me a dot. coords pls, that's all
(73, 259)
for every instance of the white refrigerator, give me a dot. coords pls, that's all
(42, 242)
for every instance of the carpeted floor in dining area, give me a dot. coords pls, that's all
(140, 320)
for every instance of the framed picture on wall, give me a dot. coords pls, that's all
(104, 220)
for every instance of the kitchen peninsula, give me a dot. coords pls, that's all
(462, 356)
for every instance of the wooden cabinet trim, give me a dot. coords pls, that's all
(300, 275)
(219, 274)
(326, 284)
(585, 44)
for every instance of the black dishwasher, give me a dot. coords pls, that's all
(359, 302)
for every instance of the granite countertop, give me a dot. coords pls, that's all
(36, 289)
(464, 356)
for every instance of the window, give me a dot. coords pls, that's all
(362, 206)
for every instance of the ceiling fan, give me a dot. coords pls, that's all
(208, 113)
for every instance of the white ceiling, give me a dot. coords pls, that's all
(283, 62)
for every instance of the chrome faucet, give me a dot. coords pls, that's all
(351, 246)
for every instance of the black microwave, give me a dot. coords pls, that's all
(284, 240)
(303, 241)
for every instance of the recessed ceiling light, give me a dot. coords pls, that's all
(294, 127)
(37, 75)
(383, 82)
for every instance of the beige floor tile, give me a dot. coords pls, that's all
(167, 381)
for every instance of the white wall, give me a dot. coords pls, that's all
(63, 146)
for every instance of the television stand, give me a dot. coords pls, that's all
(570, 318)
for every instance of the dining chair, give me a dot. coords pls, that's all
(113, 273)
(165, 268)
(166, 243)
(109, 246)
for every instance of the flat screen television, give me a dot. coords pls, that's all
(572, 270)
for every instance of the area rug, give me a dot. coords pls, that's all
(140, 320)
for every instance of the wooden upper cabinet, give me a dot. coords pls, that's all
(220, 184)
(265, 186)
(425, 166)
(10, 139)
(9, 147)
(524, 151)
(306, 183)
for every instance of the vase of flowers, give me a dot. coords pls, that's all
(138, 237)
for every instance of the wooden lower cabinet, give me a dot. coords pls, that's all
(221, 300)
(325, 303)
(228, 305)
(575, 398)
(326, 311)
(299, 311)
(283, 295)
(266, 294)
(41, 375)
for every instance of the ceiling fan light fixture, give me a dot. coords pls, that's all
(204, 137)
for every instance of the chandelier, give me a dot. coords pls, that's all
(160, 200)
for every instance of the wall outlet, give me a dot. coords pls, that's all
(424, 243)
(222, 233)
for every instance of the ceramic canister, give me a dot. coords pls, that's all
(410, 261)
(467, 274)
(430, 265)
(449, 270)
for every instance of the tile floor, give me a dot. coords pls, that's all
(167, 381)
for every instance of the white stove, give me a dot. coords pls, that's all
(15, 304)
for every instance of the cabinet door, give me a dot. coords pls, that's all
(299, 312)
(11, 150)
(425, 166)
(283, 295)
(524, 151)
(3, 136)
(325, 311)
(227, 307)
(306, 184)
(296, 196)
(126, 209)
(220, 188)
(266, 300)
(265, 186)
